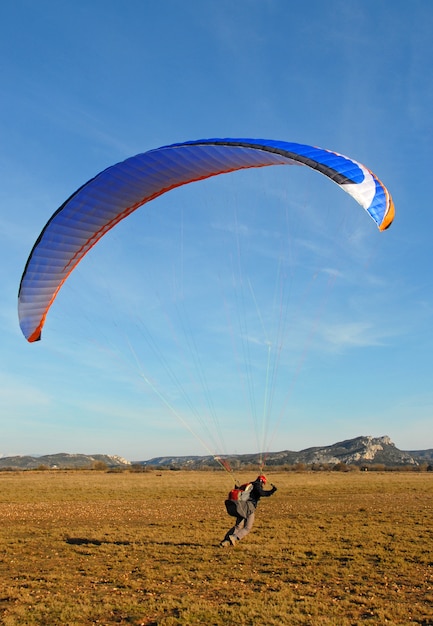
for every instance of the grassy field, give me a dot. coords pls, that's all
(334, 549)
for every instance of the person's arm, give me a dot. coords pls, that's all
(264, 493)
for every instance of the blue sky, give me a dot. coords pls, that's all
(161, 341)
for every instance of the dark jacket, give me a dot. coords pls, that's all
(258, 492)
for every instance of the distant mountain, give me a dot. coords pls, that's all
(423, 456)
(62, 461)
(364, 450)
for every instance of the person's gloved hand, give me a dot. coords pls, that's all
(274, 489)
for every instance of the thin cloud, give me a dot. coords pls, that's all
(351, 335)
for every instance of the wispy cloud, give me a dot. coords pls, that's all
(30, 396)
(351, 335)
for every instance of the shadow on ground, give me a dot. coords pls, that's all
(85, 541)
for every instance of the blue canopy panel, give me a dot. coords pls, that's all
(116, 192)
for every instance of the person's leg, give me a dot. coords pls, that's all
(241, 530)
(230, 536)
(240, 521)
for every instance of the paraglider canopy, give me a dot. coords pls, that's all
(116, 192)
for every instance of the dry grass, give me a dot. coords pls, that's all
(334, 549)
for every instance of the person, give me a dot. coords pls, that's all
(246, 514)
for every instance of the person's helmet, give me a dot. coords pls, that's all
(262, 479)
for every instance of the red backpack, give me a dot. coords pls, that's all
(237, 504)
(241, 493)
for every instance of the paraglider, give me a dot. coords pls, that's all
(245, 509)
(101, 203)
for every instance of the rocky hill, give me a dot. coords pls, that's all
(365, 450)
(362, 451)
(62, 461)
(422, 456)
